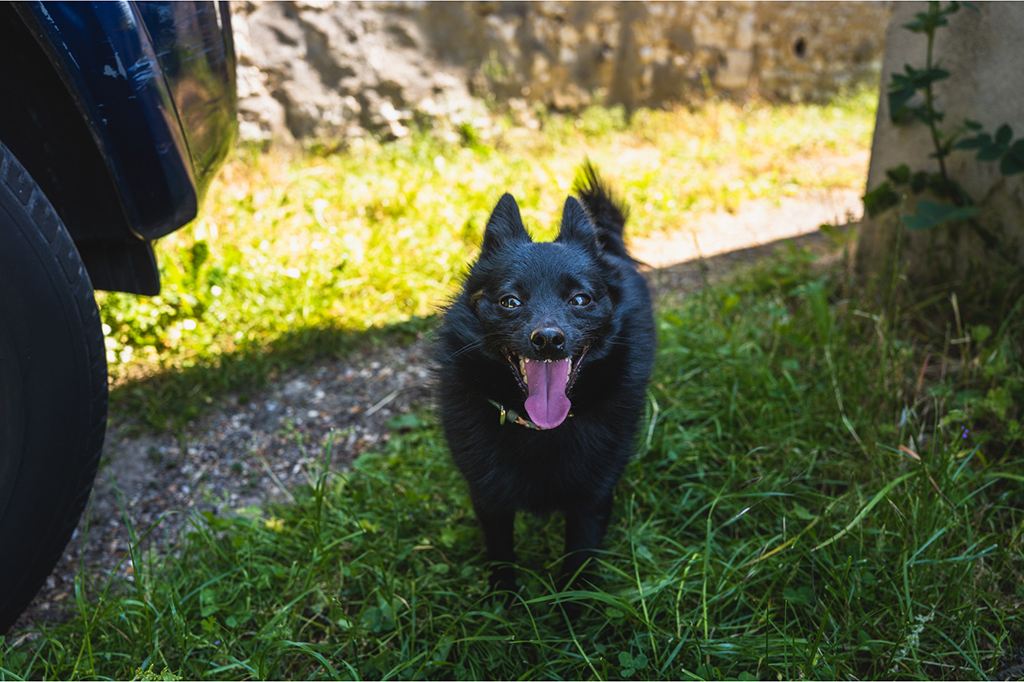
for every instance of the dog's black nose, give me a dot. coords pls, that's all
(548, 339)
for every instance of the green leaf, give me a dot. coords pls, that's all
(980, 332)
(953, 417)
(919, 26)
(975, 142)
(899, 81)
(932, 214)
(927, 22)
(208, 602)
(998, 400)
(1004, 135)
(801, 512)
(406, 422)
(898, 102)
(801, 595)
(924, 115)
(916, 78)
(932, 75)
(1013, 161)
(904, 86)
(922, 179)
(730, 302)
(879, 199)
(200, 254)
(1011, 165)
(900, 174)
(833, 232)
(990, 152)
(972, 125)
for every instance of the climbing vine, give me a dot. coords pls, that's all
(911, 98)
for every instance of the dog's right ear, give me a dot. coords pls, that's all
(505, 226)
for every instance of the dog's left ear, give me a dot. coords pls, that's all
(505, 226)
(576, 226)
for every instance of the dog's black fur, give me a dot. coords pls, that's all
(578, 298)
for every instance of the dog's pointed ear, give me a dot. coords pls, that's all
(576, 226)
(505, 226)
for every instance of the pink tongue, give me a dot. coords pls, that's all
(547, 404)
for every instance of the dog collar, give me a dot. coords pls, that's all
(513, 416)
(506, 414)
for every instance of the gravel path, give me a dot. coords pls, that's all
(246, 454)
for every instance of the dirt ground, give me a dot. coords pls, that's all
(247, 453)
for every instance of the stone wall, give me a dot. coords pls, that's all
(329, 70)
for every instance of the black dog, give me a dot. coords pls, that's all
(544, 361)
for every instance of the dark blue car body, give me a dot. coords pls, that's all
(114, 117)
(123, 112)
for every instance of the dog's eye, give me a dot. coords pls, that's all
(580, 300)
(509, 302)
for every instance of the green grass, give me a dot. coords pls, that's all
(828, 485)
(824, 489)
(295, 258)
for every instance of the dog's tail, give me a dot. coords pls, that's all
(607, 213)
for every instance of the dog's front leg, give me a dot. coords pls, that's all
(584, 529)
(499, 536)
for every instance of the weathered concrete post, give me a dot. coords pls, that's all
(984, 53)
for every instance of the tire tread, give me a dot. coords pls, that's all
(63, 249)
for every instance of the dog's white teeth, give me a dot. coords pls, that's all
(522, 369)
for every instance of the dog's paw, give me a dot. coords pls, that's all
(503, 579)
(579, 580)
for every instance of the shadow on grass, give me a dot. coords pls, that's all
(171, 398)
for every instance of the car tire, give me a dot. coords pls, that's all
(53, 388)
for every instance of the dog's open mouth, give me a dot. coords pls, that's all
(546, 384)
